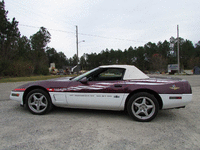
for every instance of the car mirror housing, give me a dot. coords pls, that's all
(84, 80)
(71, 78)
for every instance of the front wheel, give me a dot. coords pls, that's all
(38, 102)
(142, 107)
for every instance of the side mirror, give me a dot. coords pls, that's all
(71, 78)
(84, 80)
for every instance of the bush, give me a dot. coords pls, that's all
(22, 68)
(5, 68)
(41, 70)
(17, 68)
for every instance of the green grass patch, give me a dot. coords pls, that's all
(31, 78)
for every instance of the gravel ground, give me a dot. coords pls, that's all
(73, 129)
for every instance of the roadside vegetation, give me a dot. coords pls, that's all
(22, 56)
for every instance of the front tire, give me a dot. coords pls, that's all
(38, 102)
(142, 107)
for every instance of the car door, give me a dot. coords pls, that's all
(105, 90)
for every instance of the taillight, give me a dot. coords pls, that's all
(175, 97)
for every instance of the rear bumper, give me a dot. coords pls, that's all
(175, 100)
(17, 96)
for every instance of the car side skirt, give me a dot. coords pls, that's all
(175, 100)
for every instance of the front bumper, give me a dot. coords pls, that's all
(17, 96)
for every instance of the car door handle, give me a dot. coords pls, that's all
(117, 85)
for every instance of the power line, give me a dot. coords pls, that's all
(109, 37)
(47, 28)
(22, 6)
(92, 35)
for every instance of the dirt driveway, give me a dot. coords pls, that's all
(72, 129)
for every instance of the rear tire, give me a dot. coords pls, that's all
(38, 102)
(143, 107)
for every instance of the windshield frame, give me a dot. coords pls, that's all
(78, 78)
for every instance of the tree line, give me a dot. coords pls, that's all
(22, 56)
(150, 57)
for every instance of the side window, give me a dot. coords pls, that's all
(110, 74)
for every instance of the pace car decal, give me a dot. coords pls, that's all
(174, 87)
(98, 86)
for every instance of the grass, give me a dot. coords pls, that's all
(31, 78)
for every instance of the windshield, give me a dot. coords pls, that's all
(84, 75)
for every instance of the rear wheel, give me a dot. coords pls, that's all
(38, 102)
(142, 107)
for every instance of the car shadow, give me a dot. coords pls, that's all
(90, 113)
(166, 115)
(163, 115)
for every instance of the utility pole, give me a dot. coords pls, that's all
(77, 42)
(178, 59)
(77, 47)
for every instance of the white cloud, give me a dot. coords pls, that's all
(137, 21)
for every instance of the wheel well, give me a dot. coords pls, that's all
(30, 89)
(156, 95)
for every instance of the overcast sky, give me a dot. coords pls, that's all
(112, 24)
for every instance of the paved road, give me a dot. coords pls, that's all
(94, 129)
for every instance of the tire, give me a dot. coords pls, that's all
(38, 102)
(143, 107)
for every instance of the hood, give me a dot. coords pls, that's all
(60, 79)
(57, 82)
